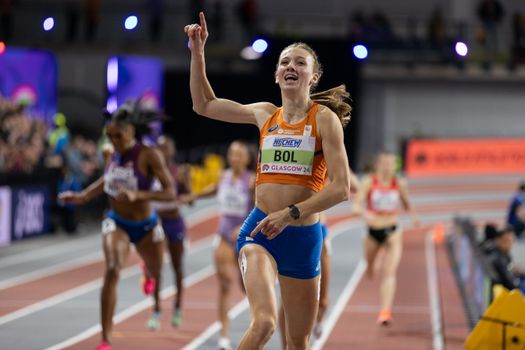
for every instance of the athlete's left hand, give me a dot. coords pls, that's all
(127, 194)
(273, 224)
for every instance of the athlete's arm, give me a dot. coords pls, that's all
(204, 100)
(90, 192)
(403, 193)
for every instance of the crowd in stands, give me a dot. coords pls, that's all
(22, 139)
(35, 153)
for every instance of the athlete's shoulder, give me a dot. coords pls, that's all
(262, 111)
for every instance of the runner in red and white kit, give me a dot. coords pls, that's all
(383, 192)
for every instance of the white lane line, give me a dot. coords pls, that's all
(67, 295)
(136, 308)
(215, 327)
(52, 249)
(87, 287)
(51, 270)
(433, 293)
(340, 304)
(195, 219)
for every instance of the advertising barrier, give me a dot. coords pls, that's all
(5, 216)
(30, 212)
(431, 157)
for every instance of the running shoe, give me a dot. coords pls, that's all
(104, 346)
(176, 318)
(224, 344)
(147, 283)
(154, 321)
(385, 317)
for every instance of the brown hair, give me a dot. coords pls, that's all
(334, 98)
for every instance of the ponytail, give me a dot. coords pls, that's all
(335, 99)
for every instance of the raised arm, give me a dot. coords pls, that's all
(204, 100)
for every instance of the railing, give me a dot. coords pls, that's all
(473, 273)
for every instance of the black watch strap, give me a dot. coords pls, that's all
(295, 213)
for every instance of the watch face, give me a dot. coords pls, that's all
(294, 212)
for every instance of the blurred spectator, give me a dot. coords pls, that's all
(92, 10)
(437, 35)
(247, 13)
(518, 26)
(490, 233)
(81, 159)
(58, 137)
(356, 28)
(379, 31)
(72, 12)
(156, 11)
(491, 13)
(22, 139)
(516, 210)
(68, 182)
(6, 19)
(508, 275)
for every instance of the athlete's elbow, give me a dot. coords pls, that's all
(199, 108)
(343, 191)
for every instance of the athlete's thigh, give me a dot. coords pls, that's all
(225, 259)
(116, 247)
(150, 250)
(393, 251)
(299, 299)
(259, 272)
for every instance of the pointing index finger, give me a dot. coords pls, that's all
(258, 228)
(203, 22)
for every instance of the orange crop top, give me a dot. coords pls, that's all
(291, 153)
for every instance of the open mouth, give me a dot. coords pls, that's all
(290, 77)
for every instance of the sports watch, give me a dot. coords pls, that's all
(295, 213)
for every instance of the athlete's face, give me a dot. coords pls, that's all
(121, 135)
(238, 157)
(296, 70)
(386, 165)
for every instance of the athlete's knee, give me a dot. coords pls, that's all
(298, 341)
(323, 303)
(225, 285)
(263, 327)
(112, 273)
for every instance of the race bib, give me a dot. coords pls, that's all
(288, 154)
(233, 200)
(119, 177)
(385, 201)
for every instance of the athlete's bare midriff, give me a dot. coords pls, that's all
(271, 197)
(134, 211)
(381, 221)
